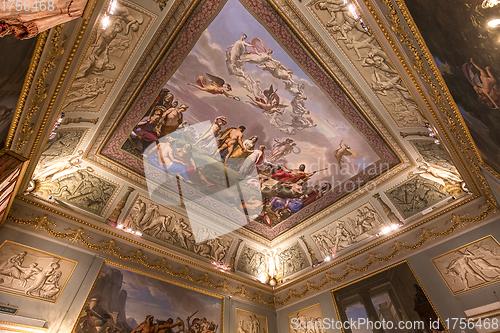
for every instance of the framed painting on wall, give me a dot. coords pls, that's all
(250, 322)
(28, 272)
(472, 266)
(306, 320)
(392, 295)
(125, 300)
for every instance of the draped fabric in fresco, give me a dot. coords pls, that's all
(251, 110)
(468, 57)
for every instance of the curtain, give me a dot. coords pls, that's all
(27, 18)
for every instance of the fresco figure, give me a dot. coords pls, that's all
(168, 161)
(485, 85)
(217, 86)
(229, 140)
(212, 132)
(147, 326)
(342, 151)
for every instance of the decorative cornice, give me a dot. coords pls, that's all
(421, 59)
(41, 88)
(110, 247)
(398, 248)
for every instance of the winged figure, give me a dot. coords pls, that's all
(343, 150)
(269, 105)
(217, 86)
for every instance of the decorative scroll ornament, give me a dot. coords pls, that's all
(490, 3)
(110, 248)
(465, 141)
(41, 87)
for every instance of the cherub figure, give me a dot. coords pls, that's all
(343, 150)
(217, 86)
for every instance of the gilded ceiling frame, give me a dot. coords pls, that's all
(421, 68)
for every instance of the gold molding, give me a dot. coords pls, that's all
(418, 64)
(46, 253)
(111, 248)
(41, 88)
(19, 325)
(30, 75)
(157, 277)
(62, 76)
(380, 271)
(470, 289)
(403, 154)
(410, 227)
(426, 235)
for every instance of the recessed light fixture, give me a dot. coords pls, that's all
(494, 23)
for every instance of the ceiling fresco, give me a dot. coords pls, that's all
(248, 115)
(264, 138)
(467, 57)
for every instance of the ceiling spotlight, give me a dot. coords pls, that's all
(328, 259)
(494, 23)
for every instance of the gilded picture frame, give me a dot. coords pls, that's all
(417, 283)
(470, 263)
(96, 303)
(33, 273)
(247, 318)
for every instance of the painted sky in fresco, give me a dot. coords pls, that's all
(317, 144)
(149, 296)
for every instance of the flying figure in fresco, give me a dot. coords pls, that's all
(269, 105)
(343, 150)
(485, 84)
(217, 86)
(281, 149)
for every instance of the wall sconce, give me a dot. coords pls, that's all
(274, 274)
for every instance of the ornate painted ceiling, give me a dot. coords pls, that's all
(235, 131)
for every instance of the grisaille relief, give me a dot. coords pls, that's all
(308, 316)
(433, 153)
(81, 188)
(416, 195)
(293, 260)
(450, 180)
(35, 274)
(356, 40)
(172, 227)
(249, 322)
(351, 228)
(471, 266)
(62, 145)
(252, 262)
(107, 55)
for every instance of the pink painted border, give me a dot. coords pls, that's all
(204, 14)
